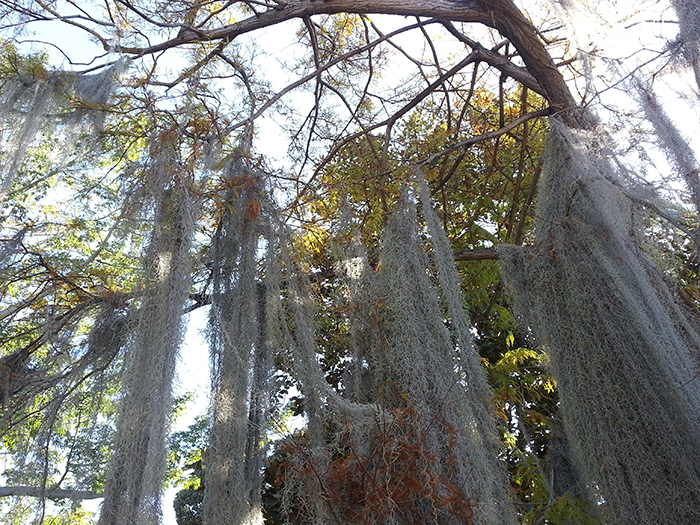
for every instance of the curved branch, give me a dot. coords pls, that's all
(462, 11)
(505, 16)
(502, 15)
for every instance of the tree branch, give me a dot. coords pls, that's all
(494, 59)
(303, 80)
(460, 11)
(35, 492)
(477, 254)
(505, 16)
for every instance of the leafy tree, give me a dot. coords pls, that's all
(147, 181)
(186, 452)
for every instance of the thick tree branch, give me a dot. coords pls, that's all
(477, 254)
(505, 16)
(460, 11)
(35, 492)
(502, 15)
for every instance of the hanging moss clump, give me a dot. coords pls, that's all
(240, 357)
(622, 363)
(413, 438)
(137, 468)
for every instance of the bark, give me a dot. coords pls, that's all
(457, 10)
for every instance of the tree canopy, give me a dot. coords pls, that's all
(452, 244)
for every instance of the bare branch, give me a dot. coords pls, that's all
(388, 123)
(494, 59)
(303, 80)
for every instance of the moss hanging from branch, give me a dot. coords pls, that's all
(438, 368)
(136, 472)
(428, 451)
(293, 337)
(622, 363)
(240, 357)
(42, 100)
(669, 138)
(688, 13)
